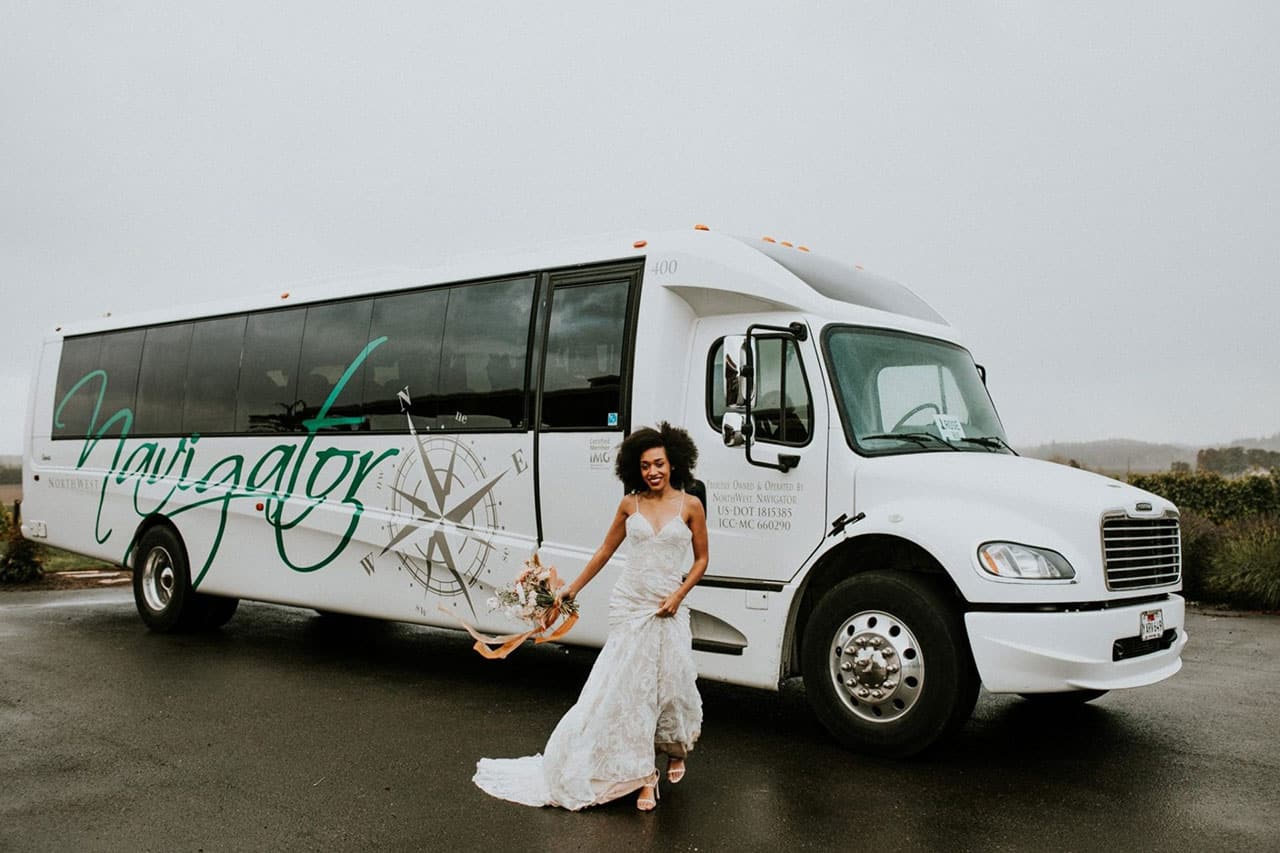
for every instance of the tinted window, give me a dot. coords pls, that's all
(782, 411)
(71, 414)
(267, 400)
(212, 375)
(486, 337)
(413, 324)
(582, 379)
(120, 355)
(334, 336)
(162, 380)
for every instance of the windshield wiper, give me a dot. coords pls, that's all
(992, 442)
(920, 438)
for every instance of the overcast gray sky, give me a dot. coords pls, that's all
(1089, 191)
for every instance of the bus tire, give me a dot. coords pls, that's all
(162, 584)
(886, 664)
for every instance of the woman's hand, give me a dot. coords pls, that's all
(563, 594)
(670, 605)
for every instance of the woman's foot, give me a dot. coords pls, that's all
(675, 770)
(648, 799)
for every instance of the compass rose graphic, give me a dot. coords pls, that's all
(444, 515)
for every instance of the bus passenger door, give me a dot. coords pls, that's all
(582, 413)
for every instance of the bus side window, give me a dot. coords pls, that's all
(582, 378)
(213, 375)
(413, 324)
(267, 400)
(79, 358)
(333, 338)
(162, 380)
(486, 338)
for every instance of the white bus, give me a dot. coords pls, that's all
(397, 448)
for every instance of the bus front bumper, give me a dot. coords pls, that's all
(1081, 650)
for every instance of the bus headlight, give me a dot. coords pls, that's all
(1022, 562)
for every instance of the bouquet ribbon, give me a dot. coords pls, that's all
(497, 647)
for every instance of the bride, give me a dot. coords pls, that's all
(640, 698)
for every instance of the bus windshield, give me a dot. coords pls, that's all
(901, 393)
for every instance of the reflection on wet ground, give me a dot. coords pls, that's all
(293, 730)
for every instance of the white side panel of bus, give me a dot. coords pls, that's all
(579, 497)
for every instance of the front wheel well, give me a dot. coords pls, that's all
(853, 557)
(146, 526)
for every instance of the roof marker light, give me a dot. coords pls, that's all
(803, 248)
(284, 295)
(639, 244)
(768, 239)
(701, 228)
(785, 243)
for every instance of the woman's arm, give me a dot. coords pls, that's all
(698, 527)
(612, 539)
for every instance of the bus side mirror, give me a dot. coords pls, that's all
(738, 385)
(731, 429)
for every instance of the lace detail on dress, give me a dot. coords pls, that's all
(640, 697)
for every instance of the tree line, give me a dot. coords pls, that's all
(1231, 461)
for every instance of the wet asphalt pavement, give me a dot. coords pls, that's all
(288, 731)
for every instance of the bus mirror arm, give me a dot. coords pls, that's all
(739, 384)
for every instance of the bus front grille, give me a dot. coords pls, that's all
(1141, 552)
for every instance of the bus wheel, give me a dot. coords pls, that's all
(162, 585)
(886, 662)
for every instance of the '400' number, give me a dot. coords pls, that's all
(665, 267)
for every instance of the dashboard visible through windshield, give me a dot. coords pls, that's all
(903, 393)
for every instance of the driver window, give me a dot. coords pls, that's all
(910, 395)
(783, 409)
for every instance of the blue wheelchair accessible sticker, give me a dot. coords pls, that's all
(613, 419)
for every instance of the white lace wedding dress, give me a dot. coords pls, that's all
(639, 699)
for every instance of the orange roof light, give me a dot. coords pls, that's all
(768, 239)
(803, 248)
(284, 295)
(640, 244)
(701, 228)
(785, 243)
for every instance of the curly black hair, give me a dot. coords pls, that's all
(682, 453)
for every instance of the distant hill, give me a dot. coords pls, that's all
(1115, 455)
(10, 461)
(1270, 443)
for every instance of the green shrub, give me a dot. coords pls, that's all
(1214, 496)
(1201, 539)
(21, 559)
(1244, 569)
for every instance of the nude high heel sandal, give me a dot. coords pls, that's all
(648, 804)
(675, 774)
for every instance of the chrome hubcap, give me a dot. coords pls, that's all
(876, 666)
(158, 579)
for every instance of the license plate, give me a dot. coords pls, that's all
(1151, 624)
